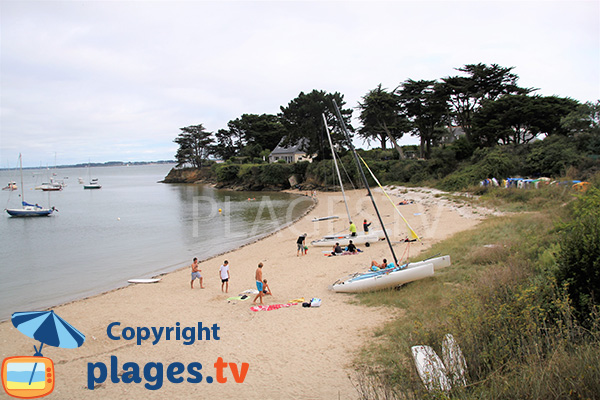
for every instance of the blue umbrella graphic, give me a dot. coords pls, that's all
(48, 328)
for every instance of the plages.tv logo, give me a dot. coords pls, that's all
(32, 377)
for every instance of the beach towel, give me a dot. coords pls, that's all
(241, 297)
(271, 307)
(299, 300)
(250, 291)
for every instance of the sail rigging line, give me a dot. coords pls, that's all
(412, 234)
(336, 167)
(347, 175)
(364, 178)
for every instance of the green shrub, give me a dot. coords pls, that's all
(551, 157)
(275, 174)
(579, 256)
(227, 172)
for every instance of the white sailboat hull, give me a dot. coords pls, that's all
(382, 280)
(29, 212)
(377, 280)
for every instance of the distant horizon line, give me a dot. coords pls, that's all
(96, 164)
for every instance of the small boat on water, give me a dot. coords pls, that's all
(390, 277)
(28, 210)
(10, 186)
(52, 186)
(94, 184)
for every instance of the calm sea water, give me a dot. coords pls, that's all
(134, 227)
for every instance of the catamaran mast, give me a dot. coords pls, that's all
(336, 167)
(343, 125)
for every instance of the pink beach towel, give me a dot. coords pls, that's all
(271, 307)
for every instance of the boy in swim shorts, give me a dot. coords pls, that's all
(259, 284)
(196, 273)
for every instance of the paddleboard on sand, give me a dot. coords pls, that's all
(317, 219)
(149, 280)
(430, 368)
(454, 360)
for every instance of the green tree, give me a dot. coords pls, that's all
(518, 119)
(584, 119)
(303, 121)
(381, 117)
(465, 93)
(584, 123)
(425, 104)
(228, 144)
(195, 144)
(264, 130)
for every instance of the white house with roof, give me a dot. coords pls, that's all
(291, 153)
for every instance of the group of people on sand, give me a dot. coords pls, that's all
(337, 249)
(224, 274)
(366, 226)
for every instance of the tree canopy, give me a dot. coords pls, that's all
(466, 93)
(381, 117)
(195, 144)
(303, 121)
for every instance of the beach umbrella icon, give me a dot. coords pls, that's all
(48, 328)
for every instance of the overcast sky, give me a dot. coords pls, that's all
(115, 80)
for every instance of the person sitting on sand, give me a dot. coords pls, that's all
(266, 288)
(196, 273)
(337, 250)
(351, 248)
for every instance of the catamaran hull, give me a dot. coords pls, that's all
(343, 240)
(29, 213)
(438, 262)
(384, 281)
(372, 280)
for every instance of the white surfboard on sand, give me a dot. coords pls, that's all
(431, 369)
(317, 219)
(144, 280)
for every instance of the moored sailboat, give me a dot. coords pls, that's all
(28, 210)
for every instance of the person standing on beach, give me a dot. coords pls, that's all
(301, 243)
(259, 284)
(224, 274)
(366, 226)
(196, 273)
(352, 229)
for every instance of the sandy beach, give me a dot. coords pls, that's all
(291, 353)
